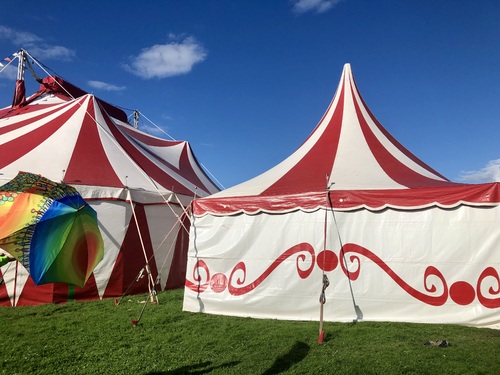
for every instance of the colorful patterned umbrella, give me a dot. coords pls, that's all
(49, 229)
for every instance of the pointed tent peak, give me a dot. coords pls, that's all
(346, 72)
(350, 146)
(346, 79)
(364, 155)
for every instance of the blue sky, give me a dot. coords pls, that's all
(245, 82)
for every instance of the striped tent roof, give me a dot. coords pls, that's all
(357, 159)
(64, 133)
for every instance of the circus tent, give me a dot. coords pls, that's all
(397, 240)
(139, 185)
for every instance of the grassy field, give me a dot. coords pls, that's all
(99, 338)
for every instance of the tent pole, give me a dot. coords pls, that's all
(14, 302)
(184, 210)
(118, 301)
(342, 257)
(21, 65)
(325, 282)
(152, 293)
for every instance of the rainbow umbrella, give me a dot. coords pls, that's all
(49, 229)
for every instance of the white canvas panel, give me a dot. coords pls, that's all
(14, 276)
(35, 160)
(163, 227)
(114, 218)
(432, 266)
(364, 171)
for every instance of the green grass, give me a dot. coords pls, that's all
(98, 338)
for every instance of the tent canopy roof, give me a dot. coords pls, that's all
(353, 156)
(64, 133)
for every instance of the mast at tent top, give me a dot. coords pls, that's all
(21, 66)
(20, 90)
(136, 119)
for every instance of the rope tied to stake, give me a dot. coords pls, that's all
(322, 297)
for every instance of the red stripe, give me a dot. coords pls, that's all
(89, 292)
(151, 169)
(19, 94)
(149, 140)
(393, 140)
(89, 163)
(177, 269)
(185, 169)
(17, 125)
(348, 200)
(131, 259)
(309, 174)
(392, 166)
(32, 108)
(47, 293)
(16, 148)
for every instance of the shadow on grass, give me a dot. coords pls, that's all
(296, 354)
(328, 336)
(200, 368)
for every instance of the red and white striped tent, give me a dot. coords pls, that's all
(396, 240)
(140, 186)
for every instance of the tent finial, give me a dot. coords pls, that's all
(136, 119)
(20, 90)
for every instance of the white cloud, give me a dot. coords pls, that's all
(46, 52)
(167, 60)
(319, 6)
(35, 45)
(18, 37)
(490, 173)
(8, 71)
(105, 86)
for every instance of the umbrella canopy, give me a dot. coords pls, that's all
(49, 229)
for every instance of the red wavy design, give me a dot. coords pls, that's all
(302, 247)
(491, 303)
(430, 271)
(460, 292)
(197, 286)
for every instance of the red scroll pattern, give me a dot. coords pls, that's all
(304, 274)
(461, 292)
(491, 303)
(430, 271)
(198, 286)
(238, 288)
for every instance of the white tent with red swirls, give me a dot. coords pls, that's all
(397, 240)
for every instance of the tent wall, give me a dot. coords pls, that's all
(124, 257)
(431, 265)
